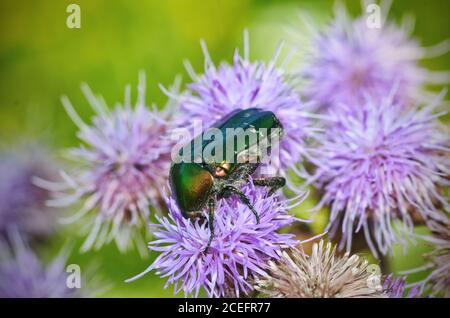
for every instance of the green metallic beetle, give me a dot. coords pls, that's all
(198, 179)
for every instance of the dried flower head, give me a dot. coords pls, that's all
(379, 164)
(352, 59)
(22, 204)
(239, 251)
(125, 159)
(323, 274)
(246, 84)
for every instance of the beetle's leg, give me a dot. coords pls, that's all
(274, 183)
(210, 223)
(241, 195)
(243, 170)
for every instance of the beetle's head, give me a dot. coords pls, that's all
(191, 186)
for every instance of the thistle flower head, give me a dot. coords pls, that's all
(355, 59)
(439, 259)
(397, 288)
(22, 204)
(125, 159)
(379, 164)
(323, 274)
(246, 84)
(23, 275)
(239, 251)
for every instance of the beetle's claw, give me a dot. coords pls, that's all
(209, 244)
(257, 218)
(207, 248)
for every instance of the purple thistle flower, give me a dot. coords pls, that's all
(125, 160)
(438, 281)
(397, 288)
(23, 275)
(378, 164)
(351, 60)
(246, 84)
(22, 204)
(239, 251)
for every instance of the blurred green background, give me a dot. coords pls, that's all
(41, 59)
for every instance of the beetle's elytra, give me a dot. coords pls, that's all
(199, 178)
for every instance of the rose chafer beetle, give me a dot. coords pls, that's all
(199, 178)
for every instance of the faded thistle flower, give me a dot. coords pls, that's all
(247, 84)
(353, 59)
(380, 164)
(23, 275)
(239, 251)
(22, 203)
(323, 274)
(396, 287)
(125, 160)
